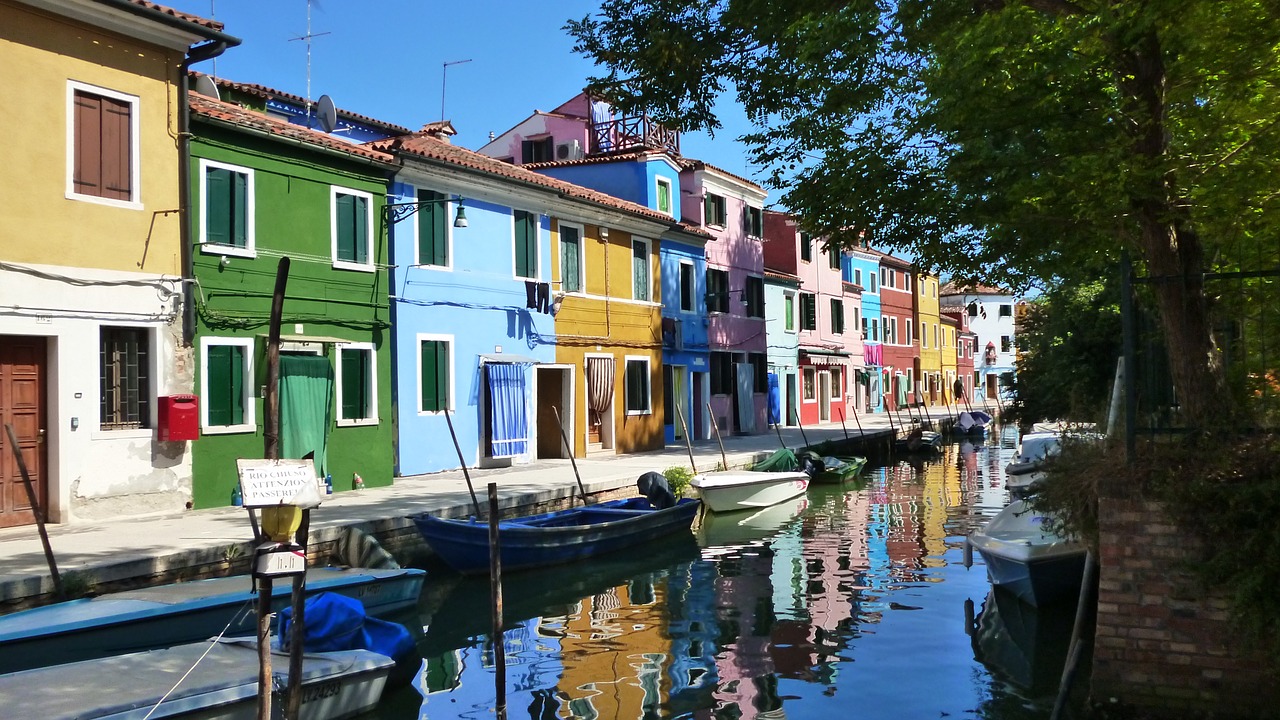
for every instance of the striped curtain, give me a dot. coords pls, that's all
(508, 421)
(599, 384)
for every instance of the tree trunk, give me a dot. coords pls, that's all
(1167, 242)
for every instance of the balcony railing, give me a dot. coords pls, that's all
(631, 133)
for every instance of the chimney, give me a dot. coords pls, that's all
(441, 130)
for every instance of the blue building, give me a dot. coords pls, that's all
(863, 269)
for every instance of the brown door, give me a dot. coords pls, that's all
(22, 361)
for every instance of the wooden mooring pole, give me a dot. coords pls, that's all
(495, 602)
(565, 438)
(36, 510)
(687, 444)
(724, 461)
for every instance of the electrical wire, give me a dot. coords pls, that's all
(212, 644)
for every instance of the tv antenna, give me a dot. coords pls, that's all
(307, 38)
(444, 76)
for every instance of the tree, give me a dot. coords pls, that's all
(1017, 142)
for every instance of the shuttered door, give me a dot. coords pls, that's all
(225, 400)
(434, 381)
(355, 384)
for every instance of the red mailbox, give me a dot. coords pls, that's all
(178, 418)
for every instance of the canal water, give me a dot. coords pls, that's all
(853, 601)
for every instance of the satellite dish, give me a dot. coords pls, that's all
(326, 113)
(207, 87)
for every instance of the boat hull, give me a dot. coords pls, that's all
(335, 685)
(730, 491)
(848, 471)
(554, 538)
(168, 615)
(1025, 556)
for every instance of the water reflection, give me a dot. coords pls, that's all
(847, 599)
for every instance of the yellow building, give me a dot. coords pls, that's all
(928, 340)
(609, 330)
(950, 345)
(92, 255)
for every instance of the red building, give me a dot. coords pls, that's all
(966, 349)
(897, 322)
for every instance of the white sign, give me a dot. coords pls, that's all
(274, 560)
(264, 483)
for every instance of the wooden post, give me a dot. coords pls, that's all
(271, 451)
(687, 444)
(567, 446)
(495, 600)
(475, 503)
(724, 461)
(800, 425)
(783, 443)
(36, 510)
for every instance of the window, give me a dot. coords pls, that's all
(806, 247)
(433, 229)
(571, 270)
(833, 257)
(754, 221)
(906, 281)
(924, 334)
(809, 382)
(638, 386)
(226, 209)
(640, 286)
(911, 379)
(102, 145)
(713, 210)
(789, 311)
(857, 276)
(717, 291)
(352, 229)
(973, 309)
(124, 378)
(837, 386)
(686, 287)
(357, 384)
(908, 327)
(721, 373)
(875, 330)
(1006, 310)
(933, 288)
(857, 316)
(1006, 343)
(759, 372)
(526, 244)
(755, 296)
(865, 330)
(542, 150)
(808, 311)
(886, 277)
(664, 197)
(874, 287)
(226, 385)
(435, 373)
(837, 316)
(937, 336)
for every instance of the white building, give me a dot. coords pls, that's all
(993, 314)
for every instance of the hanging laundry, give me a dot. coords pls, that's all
(544, 297)
(530, 294)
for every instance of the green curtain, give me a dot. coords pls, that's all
(306, 407)
(902, 390)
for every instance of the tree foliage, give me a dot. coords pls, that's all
(1016, 142)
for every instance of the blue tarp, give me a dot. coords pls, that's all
(337, 622)
(775, 400)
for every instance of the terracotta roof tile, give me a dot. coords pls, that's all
(425, 146)
(244, 117)
(624, 156)
(267, 93)
(775, 275)
(193, 19)
(952, 288)
(894, 261)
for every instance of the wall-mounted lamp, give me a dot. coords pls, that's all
(556, 301)
(395, 212)
(460, 218)
(604, 233)
(225, 261)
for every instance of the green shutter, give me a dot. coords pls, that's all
(789, 305)
(239, 209)
(640, 270)
(664, 198)
(433, 229)
(225, 382)
(346, 226)
(217, 206)
(526, 242)
(355, 384)
(434, 380)
(360, 207)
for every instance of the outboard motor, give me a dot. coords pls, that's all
(654, 487)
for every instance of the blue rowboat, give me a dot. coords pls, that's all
(169, 615)
(556, 537)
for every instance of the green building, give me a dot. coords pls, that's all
(262, 189)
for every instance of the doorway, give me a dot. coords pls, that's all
(680, 395)
(992, 388)
(792, 401)
(23, 405)
(824, 396)
(554, 387)
(700, 426)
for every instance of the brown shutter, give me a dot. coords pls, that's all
(87, 175)
(116, 170)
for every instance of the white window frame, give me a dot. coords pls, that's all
(250, 423)
(648, 263)
(809, 371)
(135, 151)
(658, 182)
(582, 254)
(884, 325)
(790, 296)
(371, 266)
(648, 369)
(837, 388)
(250, 248)
(693, 287)
(417, 348)
(373, 384)
(448, 229)
(857, 276)
(924, 335)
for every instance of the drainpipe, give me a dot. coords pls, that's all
(199, 53)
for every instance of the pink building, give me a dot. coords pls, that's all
(827, 318)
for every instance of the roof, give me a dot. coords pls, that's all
(623, 156)
(239, 116)
(952, 288)
(425, 146)
(269, 93)
(785, 277)
(187, 17)
(895, 261)
(693, 164)
(852, 287)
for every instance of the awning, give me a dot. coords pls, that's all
(510, 358)
(823, 351)
(817, 356)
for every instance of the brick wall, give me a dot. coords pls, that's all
(1162, 642)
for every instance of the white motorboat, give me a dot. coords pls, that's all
(1026, 556)
(726, 532)
(1027, 467)
(222, 684)
(747, 489)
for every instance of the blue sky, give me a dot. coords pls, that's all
(384, 58)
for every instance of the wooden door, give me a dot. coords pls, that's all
(22, 404)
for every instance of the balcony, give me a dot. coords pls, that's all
(632, 133)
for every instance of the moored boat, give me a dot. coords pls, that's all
(556, 537)
(1025, 554)
(1027, 468)
(838, 469)
(167, 615)
(335, 685)
(745, 489)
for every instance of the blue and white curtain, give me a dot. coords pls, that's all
(508, 413)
